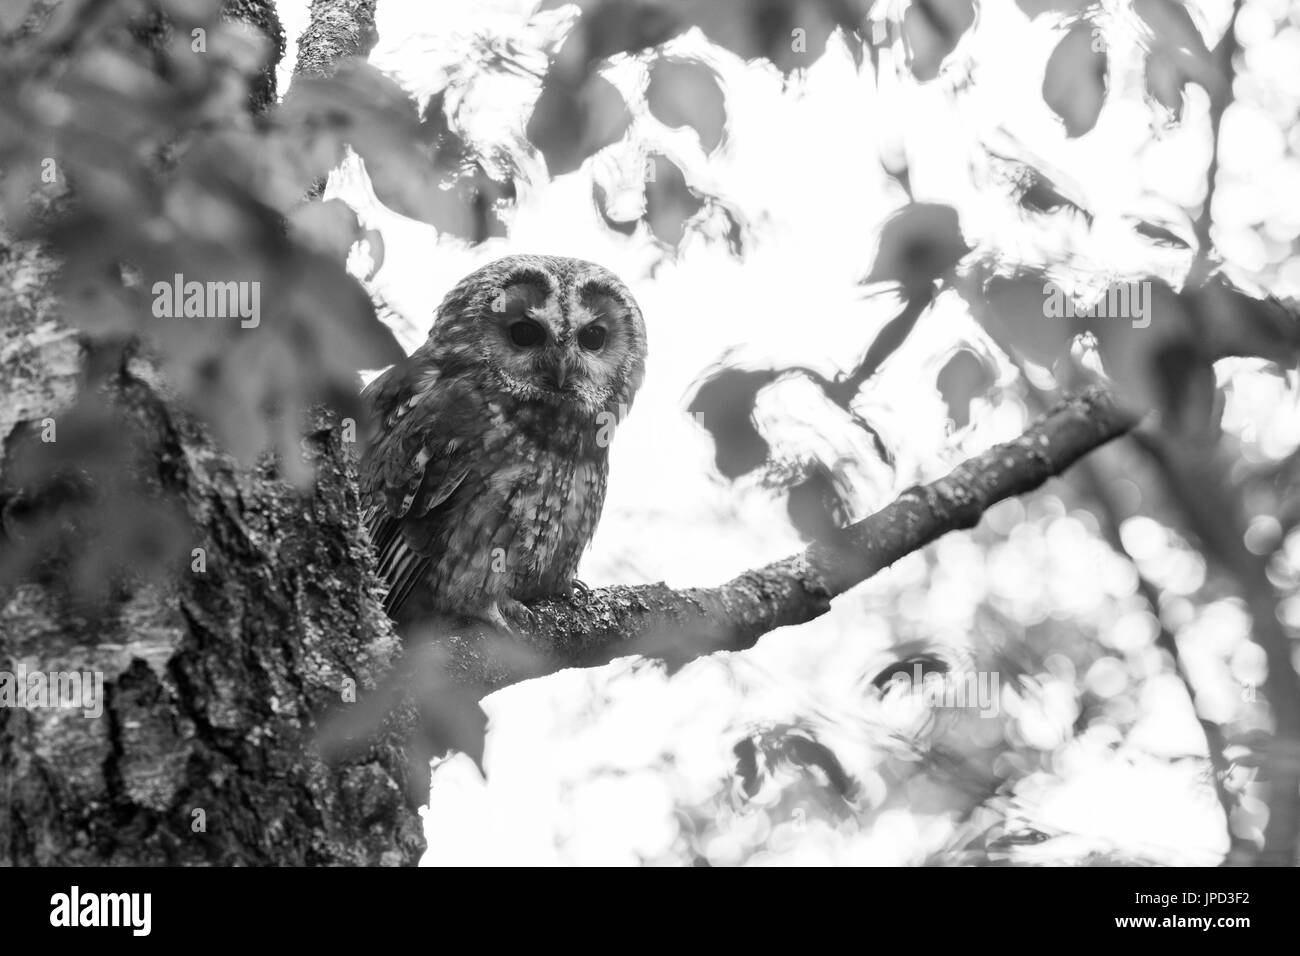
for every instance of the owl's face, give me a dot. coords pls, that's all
(548, 329)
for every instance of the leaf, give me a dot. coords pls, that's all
(747, 766)
(1172, 26)
(1036, 8)
(334, 304)
(1160, 234)
(669, 201)
(919, 243)
(816, 505)
(1158, 360)
(570, 122)
(685, 93)
(600, 197)
(1074, 85)
(1178, 54)
(725, 221)
(1237, 324)
(932, 29)
(964, 377)
(1043, 195)
(610, 27)
(329, 227)
(1017, 312)
(194, 11)
(1187, 395)
(724, 405)
(911, 661)
(1165, 80)
(482, 197)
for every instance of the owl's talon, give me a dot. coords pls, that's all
(507, 614)
(581, 589)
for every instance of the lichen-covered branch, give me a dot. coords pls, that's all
(337, 29)
(679, 625)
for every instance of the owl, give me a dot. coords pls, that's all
(485, 472)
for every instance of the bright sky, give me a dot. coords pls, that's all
(587, 767)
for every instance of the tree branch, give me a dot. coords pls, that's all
(680, 625)
(337, 29)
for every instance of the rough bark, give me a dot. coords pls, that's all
(261, 15)
(211, 680)
(337, 29)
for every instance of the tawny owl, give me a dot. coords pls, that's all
(485, 474)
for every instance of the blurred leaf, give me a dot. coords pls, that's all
(1042, 195)
(601, 199)
(1160, 234)
(482, 196)
(932, 29)
(1165, 81)
(1161, 364)
(195, 11)
(724, 404)
(1074, 85)
(963, 378)
(792, 34)
(1039, 186)
(747, 765)
(784, 749)
(1172, 25)
(1188, 398)
(918, 244)
(685, 93)
(329, 227)
(1237, 324)
(816, 505)
(609, 27)
(669, 201)
(912, 659)
(1036, 8)
(443, 715)
(1017, 312)
(570, 122)
(339, 311)
(1178, 54)
(733, 229)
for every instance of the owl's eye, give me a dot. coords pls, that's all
(526, 333)
(592, 337)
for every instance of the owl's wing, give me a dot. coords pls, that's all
(422, 452)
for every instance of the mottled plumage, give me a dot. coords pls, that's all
(485, 473)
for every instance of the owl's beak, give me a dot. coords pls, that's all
(560, 372)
